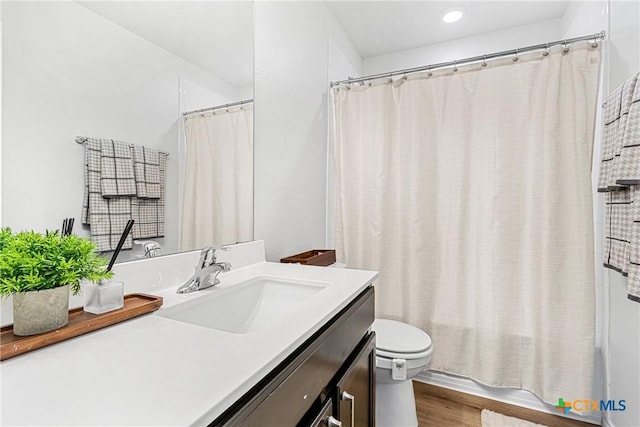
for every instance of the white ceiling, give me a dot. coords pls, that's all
(217, 36)
(379, 27)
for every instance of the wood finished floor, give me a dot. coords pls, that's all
(441, 407)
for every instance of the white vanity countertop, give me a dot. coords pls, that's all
(154, 371)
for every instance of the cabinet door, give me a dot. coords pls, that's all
(356, 388)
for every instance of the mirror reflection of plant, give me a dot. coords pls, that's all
(31, 261)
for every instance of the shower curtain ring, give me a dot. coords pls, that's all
(515, 58)
(595, 41)
(565, 48)
(546, 51)
(484, 61)
(455, 65)
(429, 73)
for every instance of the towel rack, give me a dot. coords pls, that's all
(83, 139)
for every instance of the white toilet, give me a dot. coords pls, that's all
(402, 352)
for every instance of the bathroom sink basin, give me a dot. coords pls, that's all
(247, 306)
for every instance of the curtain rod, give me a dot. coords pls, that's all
(82, 139)
(593, 37)
(218, 107)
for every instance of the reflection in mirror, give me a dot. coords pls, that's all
(115, 70)
(217, 206)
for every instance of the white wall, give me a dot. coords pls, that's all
(1, 59)
(68, 72)
(296, 45)
(480, 44)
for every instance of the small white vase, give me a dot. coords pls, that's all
(37, 312)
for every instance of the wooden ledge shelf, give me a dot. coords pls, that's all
(80, 323)
(321, 257)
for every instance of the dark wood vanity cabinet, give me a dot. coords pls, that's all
(328, 381)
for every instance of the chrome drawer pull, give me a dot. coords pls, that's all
(332, 422)
(352, 400)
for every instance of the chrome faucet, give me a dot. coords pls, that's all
(151, 247)
(207, 270)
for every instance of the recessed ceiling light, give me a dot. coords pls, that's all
(452, 15)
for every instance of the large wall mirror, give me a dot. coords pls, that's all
(127, 71)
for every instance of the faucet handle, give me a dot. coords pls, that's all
(215, 249)
(208, 255)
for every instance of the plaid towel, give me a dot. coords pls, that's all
(610, 149)
(633, 233)
(618, 218)
(107, 217)
(633, 284)
(620, 175)
(149, 213)
(627, 170)
(116, 169)
(146, 164)
(631, 142)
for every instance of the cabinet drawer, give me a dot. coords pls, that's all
(302, 380)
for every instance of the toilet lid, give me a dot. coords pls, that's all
(398, 338)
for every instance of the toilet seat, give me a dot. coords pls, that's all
(408, 356)
(397, 340)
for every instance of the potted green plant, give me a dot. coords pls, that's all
(39, 270)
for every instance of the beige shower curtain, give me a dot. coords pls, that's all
(470, 192)
(218, 189)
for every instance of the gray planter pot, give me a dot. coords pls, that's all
(37, 312)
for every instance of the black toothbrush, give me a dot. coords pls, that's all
(125, 233)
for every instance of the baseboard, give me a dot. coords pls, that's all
(515, 397)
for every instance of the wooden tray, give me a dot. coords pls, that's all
(79, 323)
(322, 257)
